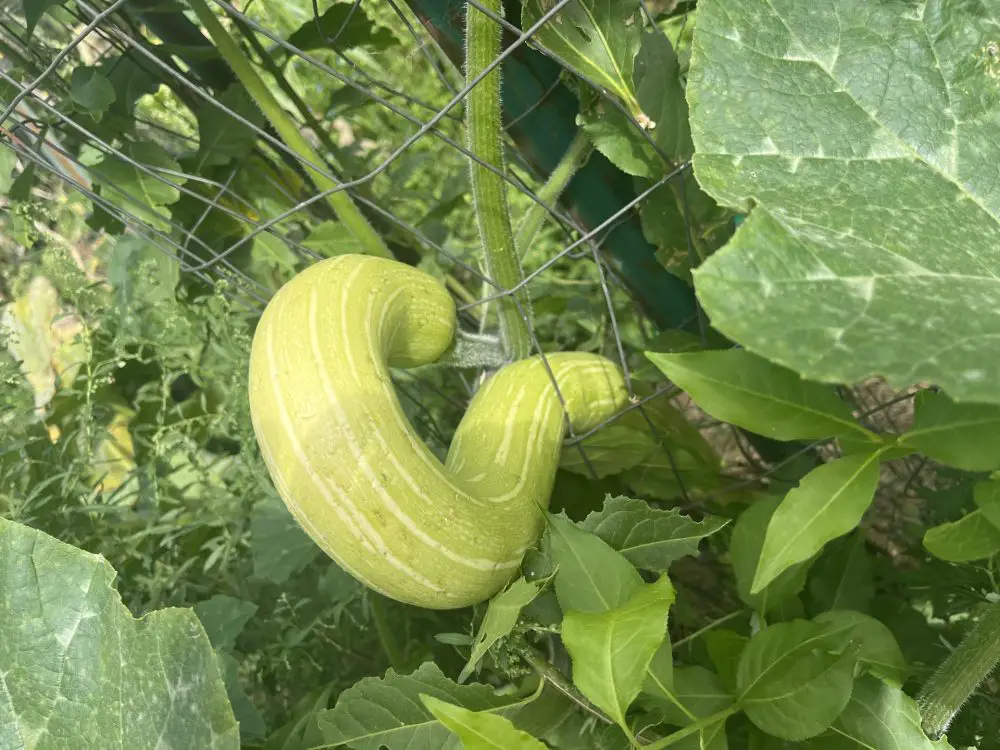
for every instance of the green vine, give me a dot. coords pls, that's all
(484, 139)
(339, 201)
(961, 673)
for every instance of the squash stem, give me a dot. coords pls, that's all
(957, 678)
(484, 139)
(339, 201)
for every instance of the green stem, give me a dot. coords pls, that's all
(698, 726)
(484, 139)
(574, 158)
(385, 636)
(712, 625)
(339, 201)
(957, 678)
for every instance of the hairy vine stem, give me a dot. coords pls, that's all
(957, 678)
(339, 201)
(484, 139)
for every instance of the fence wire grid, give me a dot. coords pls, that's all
(40, 125)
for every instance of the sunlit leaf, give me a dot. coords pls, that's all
(828, 503)
(590, 575)
(611, 650)
(871, 245)
(480, 730)
(743, 389)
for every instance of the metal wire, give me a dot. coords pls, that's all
(41, 127)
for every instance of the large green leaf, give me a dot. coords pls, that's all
(611, 650)
(388, 711)
(501, 617)
(790, 682)
(222, 138)
(748, 391)
(598, 38)
(590, 575)
(863, 136)
(966, 436)
(649, 537)
(480, 730)
(828, 503)
(79, 672)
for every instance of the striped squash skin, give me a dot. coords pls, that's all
(348, 464)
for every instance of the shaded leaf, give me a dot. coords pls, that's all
(744, 552)
(842, 576)
(986, 495)
(279, 545)
(8, 163)
(871, 245)
(91, 91)
(501, 617)
(790, 684)
(611, 450)
(221, 137)
(223, 618)
(342, 26)
(331, 238)
(479, 730)
(724, 649)
(877, 647)
(696, 694)
(80, 672)
(966, 436)
(972, 537)
(590, 575)
(828, 503)
(743, 389)
(649, 537)
(879, 717)
(611, 650)
(144, 186)
(34, 10)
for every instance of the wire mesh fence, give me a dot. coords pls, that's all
(205, 179)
